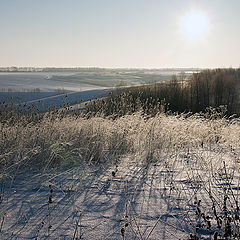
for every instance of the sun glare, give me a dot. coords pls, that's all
(194, 24)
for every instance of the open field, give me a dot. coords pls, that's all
(19, 82)
(119, 77)
(84, 79)
(39, 90)
(165, 177)
(49, 89)
(43, 101)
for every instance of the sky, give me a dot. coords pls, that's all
(119, 33)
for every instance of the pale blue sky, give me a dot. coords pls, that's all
(117, 33)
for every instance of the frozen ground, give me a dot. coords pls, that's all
(40, 90)
(157, 201)
(45, 100)
(165, 177)
(19, 82)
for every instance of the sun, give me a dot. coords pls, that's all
(195, 25)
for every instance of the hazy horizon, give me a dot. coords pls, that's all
(151, 34)
(97, 67)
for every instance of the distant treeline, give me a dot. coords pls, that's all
(49, 69)
(92, 69)
(208, 88)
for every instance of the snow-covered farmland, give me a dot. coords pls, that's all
(40, 90)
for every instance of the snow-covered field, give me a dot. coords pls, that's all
(20, 82)
(44, 101)
(39, 89)
(166, 177)
(48, 89)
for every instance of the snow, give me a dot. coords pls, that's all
(45, 100)
(158, 178)
(158, 199)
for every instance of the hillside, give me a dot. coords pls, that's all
(163, 177)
